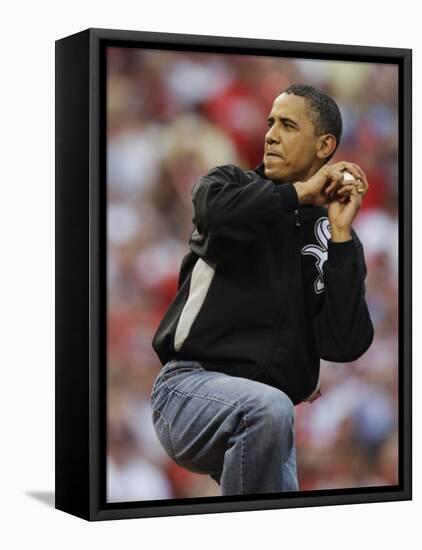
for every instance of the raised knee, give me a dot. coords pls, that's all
(281, 409)
(274, 407)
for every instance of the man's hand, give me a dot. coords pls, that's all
(345, 206)
(321, 188)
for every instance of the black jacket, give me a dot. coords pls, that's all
(264, 293)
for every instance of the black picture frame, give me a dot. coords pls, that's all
(80, 381)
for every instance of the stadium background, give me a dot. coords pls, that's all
(171, 117)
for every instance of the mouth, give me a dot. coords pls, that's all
(272, 154)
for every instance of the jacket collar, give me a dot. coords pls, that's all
(260, 170)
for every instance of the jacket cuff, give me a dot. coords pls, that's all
(288, 196)
(341, 254)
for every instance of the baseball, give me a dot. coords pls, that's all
(347, 176)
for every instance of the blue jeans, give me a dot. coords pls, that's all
(238, 431)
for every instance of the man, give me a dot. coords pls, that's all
(270, 286)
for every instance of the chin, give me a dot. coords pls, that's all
(273, 174)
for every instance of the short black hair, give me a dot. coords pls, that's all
(322, 110)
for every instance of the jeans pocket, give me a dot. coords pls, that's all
(161, 428)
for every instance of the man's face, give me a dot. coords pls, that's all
(290, 152)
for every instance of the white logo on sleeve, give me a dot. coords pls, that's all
(323, 234)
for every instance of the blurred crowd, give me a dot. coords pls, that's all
(171, 117)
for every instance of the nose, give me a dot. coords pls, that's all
(271, 137)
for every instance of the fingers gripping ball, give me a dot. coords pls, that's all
(344, 191)
(348, 177)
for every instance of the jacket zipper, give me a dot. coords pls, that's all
(282, 314)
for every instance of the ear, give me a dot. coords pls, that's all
(326, 145)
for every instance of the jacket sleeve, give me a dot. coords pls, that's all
(343, 329)
(228, 203)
